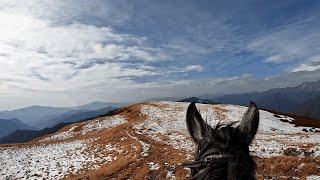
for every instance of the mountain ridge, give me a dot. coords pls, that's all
(287, 100)
(197, 100)
(8, 126)
(25, 135)
(150, 140)
(31, 115)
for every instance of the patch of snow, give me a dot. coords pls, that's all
(48, 161)
(53, 161)
(270, 144)
(60, 136)
(268, 122)
(283, 117)
(145, 146)
(180, 142)
(98, 125)
(313, 177)
(153, 166)
(170, 175)
(171, 116)
(109, 147)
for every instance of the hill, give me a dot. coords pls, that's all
(20, 136)
(25, 135)
(33, 114)
(310, 108)
(96, 105)
(72, 116)
(39, 116)
(150, 140)
(8, 126)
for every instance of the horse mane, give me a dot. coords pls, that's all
(239, 166)
(227, 144)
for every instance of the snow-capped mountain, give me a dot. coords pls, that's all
(150, 140)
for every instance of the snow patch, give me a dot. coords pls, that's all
(145, 146)
(313, 177)
(98, 125)
(52, 161)
(269, 144)
(269, 123)
(170, 175)
(153, 166)
(60, 136)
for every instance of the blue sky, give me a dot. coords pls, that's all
(65, 53)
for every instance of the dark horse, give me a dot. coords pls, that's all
(222, 152)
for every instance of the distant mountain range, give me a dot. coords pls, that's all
(26, 134)
(303, 100)
(165, 99)
(34, 114)
(299, 100)
(32, 121)
(72, 116)
(20, 136)
(310, 108)
(197, 100)
(97, 105)
(8, 126)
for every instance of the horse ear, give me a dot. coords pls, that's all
(197, 128)
(250, 122)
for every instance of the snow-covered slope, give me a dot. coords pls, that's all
(150, 140)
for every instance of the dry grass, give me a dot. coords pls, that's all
(132, 164)
(287, 166)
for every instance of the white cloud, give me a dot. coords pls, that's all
(194, 68)
(293, 42)
(68, 12)
(59, 53)
(307, 67)
(188, 68)
(43, 55)
(31, 46)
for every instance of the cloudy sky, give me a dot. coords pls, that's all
(65, 53)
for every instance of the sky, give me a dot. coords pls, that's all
(71, 52)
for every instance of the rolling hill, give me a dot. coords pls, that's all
(150, 140)
(8, 126)
(53, 125)
(310, 108)
(33, 114)
(72, 116)
(41, 116)
(96, 105)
